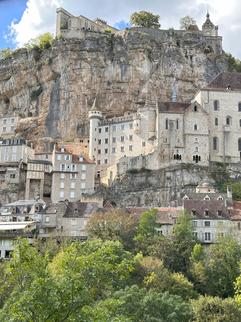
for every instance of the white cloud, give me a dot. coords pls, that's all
(40, 15)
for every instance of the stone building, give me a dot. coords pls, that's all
(69, 26)
(39, 179)
(15, 150)
(221, 99)
(8, 126)
(73, 175)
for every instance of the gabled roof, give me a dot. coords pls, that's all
(212, 206)
(225, 79)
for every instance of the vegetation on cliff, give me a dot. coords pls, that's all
(130, 273)
(145, 19)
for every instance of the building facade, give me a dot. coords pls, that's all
(8, 126)
(73, 175)
(69, 26)
(15, 150)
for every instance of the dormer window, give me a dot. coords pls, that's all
(206, 213)
(220, 198)
(219, 213)
(81, 158)
(207, 198)
(185, 197)
(62, 149)
(194, 212)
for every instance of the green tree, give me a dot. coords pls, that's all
(145, 19)
(113, 225)
(216, 272)
(43, 41)
(5, 53)
(187, 22)
(138, 304)
(175, 250)
(215, 309)
(234, 64)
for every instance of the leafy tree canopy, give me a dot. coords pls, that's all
(145, 19)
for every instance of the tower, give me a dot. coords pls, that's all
(95, 116)
(208, 27)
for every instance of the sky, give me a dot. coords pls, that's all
(21, 20)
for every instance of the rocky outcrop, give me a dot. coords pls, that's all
(52, 90)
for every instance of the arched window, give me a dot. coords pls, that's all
(215, 143)
(239, 144)
(216, 105)
(216, 121)
(239, 106)
(177, 124)
(195, 108)
(228, 120)
(195, 127)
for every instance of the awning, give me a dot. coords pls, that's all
(14, 225)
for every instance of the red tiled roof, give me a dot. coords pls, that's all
(212, 206)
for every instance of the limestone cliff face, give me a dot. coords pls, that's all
(53, 90)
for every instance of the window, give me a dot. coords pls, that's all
(219, 213)
(106, 129)
(98, 161)
(207, 223)
(12, 121)
(216, 105)
(143, 144)
(5, 121)
(207, 236)
(67, 157)
(194, 212)
(73, 167)
(61, 194)
(62, 184)
(58, 157)
(47, 219)
(12, 175)
(130, 137)
(99, 141)
(106, 141)
(114, 140)
(99, 151)
(106, 151)
(62, 175)
(215, 143)
(122, 138)
(195, 234)
(73, 175)
(62, 167)
(206, 213)
(195, 127)
(194, 223)
(106, 161)
(196, 149)
(82, 185)
(122, 126)
(131, 126)
(195, 108)
(72, 185)
(228, 120)
(177, 124)
(122, 149)
(239, 106)
(239, 144)
(240, 123)
(113, 150)
(216, 121)
(99, 130)
(72, 194)
(114, 128)
(83, 167)
(166, 124)
(130, 147)
(83, 176)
